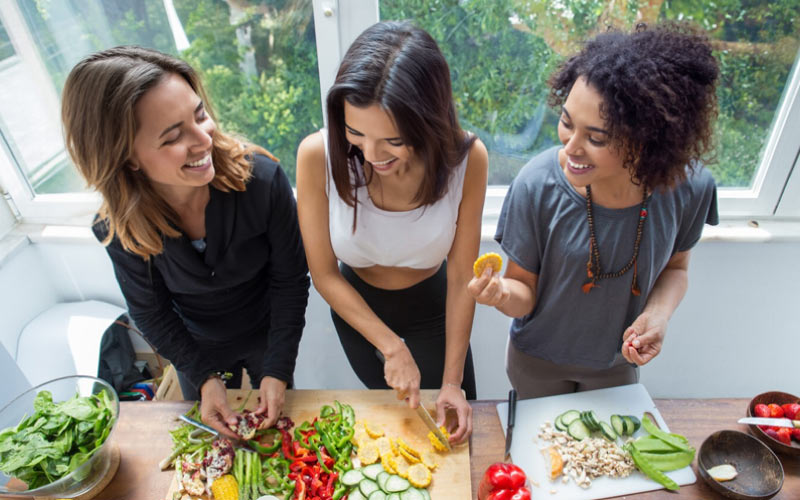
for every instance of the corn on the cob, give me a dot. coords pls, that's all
(225, 488)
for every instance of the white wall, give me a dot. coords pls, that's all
(734, 335)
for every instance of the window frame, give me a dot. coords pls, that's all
(774, 193)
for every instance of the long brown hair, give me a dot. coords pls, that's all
(97, 110)
(399, 67)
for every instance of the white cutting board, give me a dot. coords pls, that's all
(532, 413)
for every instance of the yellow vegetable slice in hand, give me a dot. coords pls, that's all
(488, 259)
(438, 445)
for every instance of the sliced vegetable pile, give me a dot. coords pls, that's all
(580, 424)
(298, 463)
(396, 457)
(56, 439)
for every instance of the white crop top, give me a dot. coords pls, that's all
(420, 238)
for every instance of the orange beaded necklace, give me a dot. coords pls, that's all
(593, 270)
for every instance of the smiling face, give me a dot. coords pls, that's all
(589, 155)
(172, 145)
(373, 131)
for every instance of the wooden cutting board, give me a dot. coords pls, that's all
(451, 479)
(532, 413)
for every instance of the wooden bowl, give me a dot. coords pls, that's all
(760, 474)
(778, 398)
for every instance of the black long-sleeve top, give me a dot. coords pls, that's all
(252, 279)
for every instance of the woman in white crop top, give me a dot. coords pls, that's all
(394, 190)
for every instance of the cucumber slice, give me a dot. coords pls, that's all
(371, 471)
(586, 421)
(594, 420)
(411, 494)
(377, 495)
(352, 477)
(383, 476)
(636, 423)
(559, 424)
(578, 430)
(618, 425)
(569, 416)
(630, 427)
(608, 432)
(355, 494)
(367, 486)
(392, 496)
(428, 495)
(396, 484)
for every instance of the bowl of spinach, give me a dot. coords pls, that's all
(54, 438)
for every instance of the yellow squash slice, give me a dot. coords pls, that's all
(488, 259)
(419, 476)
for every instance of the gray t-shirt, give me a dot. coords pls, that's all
(543, 228)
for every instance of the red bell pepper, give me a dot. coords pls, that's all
(503, 481)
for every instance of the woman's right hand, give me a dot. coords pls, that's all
(402, 374)
(489, 289)
(214, 409)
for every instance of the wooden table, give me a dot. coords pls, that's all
(143, 439)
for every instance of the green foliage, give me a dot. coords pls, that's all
(501, 53)
(275, 100)
(56, 439)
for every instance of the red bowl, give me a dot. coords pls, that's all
(779, 398)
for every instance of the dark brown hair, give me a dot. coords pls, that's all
(400, 68)
(659, 100)
(97, 111)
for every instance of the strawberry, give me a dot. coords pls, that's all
(771, 433)
(763, 427)
(791, 410)
(785, 436)
(775, 411)
(762, 410)
(796, 434)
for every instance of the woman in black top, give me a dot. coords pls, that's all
(200, 227)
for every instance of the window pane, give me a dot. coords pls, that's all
(257, 60)
(501, 53)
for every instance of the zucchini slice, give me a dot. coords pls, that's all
(352, 477)
(608, 432)
(367, 486)
(377, 495)
(569, 416)
(371, 471)
(559, 424)
(396, 484)
(578, 430)
(636, 423)
(630, 427)
(618, 424)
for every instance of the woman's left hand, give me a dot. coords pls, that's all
(641, 342)
(451, 398)
(271, 395)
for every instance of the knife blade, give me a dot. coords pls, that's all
(428, 420)
(213, 431)
(512, 414)
(775, 422)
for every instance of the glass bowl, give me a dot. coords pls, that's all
(85, 476)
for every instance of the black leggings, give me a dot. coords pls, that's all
(417, 315)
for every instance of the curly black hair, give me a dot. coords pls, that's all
(659, 97)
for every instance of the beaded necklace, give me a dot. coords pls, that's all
(593, 270)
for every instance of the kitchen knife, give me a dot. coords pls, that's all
(512, 413)
(424, 415)
(430, 424)
(775, 422)
(211, 430)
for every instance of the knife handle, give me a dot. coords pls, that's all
(512, 408)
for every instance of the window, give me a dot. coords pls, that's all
(501, 53)
(267, 63)
(257, 60)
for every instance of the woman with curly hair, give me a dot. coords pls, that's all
(394, 190)
(201, 228)
(598, 232)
